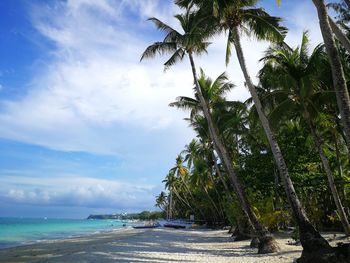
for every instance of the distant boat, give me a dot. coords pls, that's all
(176, 226)
(147, 226)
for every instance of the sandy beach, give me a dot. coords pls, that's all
(152, 245)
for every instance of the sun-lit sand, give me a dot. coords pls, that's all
(150, 245)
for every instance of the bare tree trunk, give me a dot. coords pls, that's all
(339, 34)
(183, 200)
(339, 82)
(169, 214)
(347, 2)
(310, 238)
(243, 231)
(325, 163)
(268, 244)
(222, 214)
(340, 171)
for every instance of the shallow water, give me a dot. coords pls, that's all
(19, 231)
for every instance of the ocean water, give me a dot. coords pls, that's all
(20, 231)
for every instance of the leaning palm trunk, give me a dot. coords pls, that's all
(339, 34)
(191, 196)
(243, 230)
(325, 163)
(214, 208)
(347, 3)
(220, 208)
(310, 238)
(339, 83)
(267, 243)
(340, 172)
(183, 200)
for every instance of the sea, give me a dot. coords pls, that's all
(22, 231)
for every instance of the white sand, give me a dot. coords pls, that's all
(152, 245)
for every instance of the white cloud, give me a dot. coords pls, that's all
(75, 190)
(93, 95)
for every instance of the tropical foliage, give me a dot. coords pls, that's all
(279, 159)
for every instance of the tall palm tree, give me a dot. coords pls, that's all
(299, 89)
(192, 41)
(242, 16)
(162, 201)
(181, 172)
(339, 83)
(173, 184)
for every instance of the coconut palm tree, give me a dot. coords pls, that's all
(173, 184)
(339, 83)
(235, 17)
(162, 201)
(299, 88)
(193, 41)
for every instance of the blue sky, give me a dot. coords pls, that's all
(85, 127)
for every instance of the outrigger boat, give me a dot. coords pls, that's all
(147, 226)
(176, 226)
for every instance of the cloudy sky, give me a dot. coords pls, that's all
(84, 126)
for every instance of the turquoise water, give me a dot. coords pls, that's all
(19, 231)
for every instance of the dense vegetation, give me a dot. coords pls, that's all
(144, 215)
(279, 159)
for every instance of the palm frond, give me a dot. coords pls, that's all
(285, 109)
(177, 56)
(304, 47)
(160, 48)
(264, 26)
(162, 26)
(185, 103)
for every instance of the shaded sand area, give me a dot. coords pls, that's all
(151, 245)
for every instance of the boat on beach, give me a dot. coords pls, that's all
(155, 225)
(176, 226)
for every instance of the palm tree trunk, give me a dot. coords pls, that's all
(340, 172)
(339, 34)
(325, 163)
(268, 244)
(310, 238)
(347, 3)
(339, 83)
(191, 195)
(220, 199)
(214, 208)
(182, 199)
(337, 154)
(242, 232)
(170, 205)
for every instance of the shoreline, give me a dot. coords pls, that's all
(152, 245)
(63, 237)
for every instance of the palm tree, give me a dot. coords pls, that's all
(236, 16)
(182, 173)
(339, 34)
(299, 89)
(173, 184)
(192, 41)
(339, 82)
(162, 201)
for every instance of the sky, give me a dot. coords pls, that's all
(85, 127)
